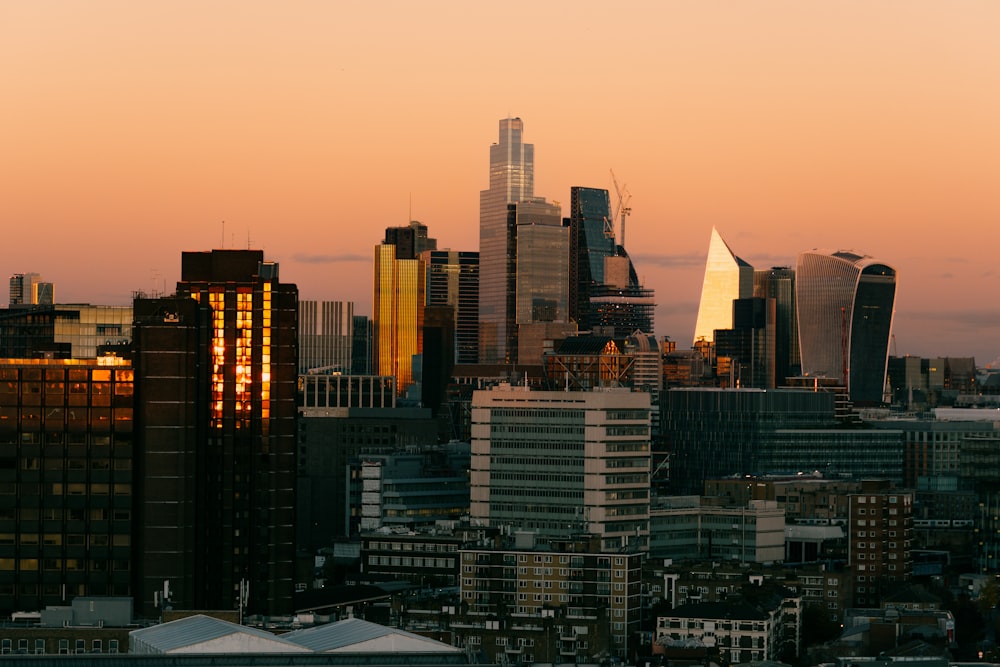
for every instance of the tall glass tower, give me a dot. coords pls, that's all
(845, 306)
(727, 277)
(592, 240)
(512, 178)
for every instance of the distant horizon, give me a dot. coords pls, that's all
(132, 131)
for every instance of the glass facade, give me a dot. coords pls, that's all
(727, 277)
(215, 384)
(512, 173)
(542, 277)
(592, 239)
(398, 308)
(453, 280)
(845, 308)
(65, 481)
(778, 283)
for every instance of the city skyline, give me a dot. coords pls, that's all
(132, 132)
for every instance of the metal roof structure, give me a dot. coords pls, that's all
(186, 633)
(355, 634)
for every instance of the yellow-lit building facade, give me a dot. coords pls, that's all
(398, 314)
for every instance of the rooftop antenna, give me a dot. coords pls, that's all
(223, 234)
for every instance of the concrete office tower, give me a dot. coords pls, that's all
(215, 431)
(562, 463)
(326, 330)
(453, 280)
(24, 289)
(398, 306)
(845, 309)
(512, 176)
(727, 277)
(778, 283)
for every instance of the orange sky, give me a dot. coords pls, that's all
(130, 130)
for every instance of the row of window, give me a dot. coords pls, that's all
(7, 646)
(25, 514)
(59, 489)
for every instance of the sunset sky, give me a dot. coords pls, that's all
(130, 130)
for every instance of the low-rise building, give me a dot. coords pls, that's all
(692, 528)
(738, 631)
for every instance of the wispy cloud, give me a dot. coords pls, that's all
(670, 261)
(682, 308)
(970, 318)
(305, 258)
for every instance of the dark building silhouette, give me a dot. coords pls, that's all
(216, 373)
(438, 357)
(592, 239)
(361, 345)
(344, 417)
(749, 347)
(778, 283)
(66, 481)
(409, 241)
(722, 432)
(453, 280)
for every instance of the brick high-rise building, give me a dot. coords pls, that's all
(880, 534)
(215, 381)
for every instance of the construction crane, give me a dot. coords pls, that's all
(622, 209)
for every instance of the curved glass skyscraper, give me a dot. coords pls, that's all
(845, 308)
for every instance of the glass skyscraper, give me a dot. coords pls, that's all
(397, 313)
(845, 308)
(727, 277)
(512, 175)
(592, 239)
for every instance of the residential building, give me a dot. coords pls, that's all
(880, 530)
(736, 631)
(566, 598)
